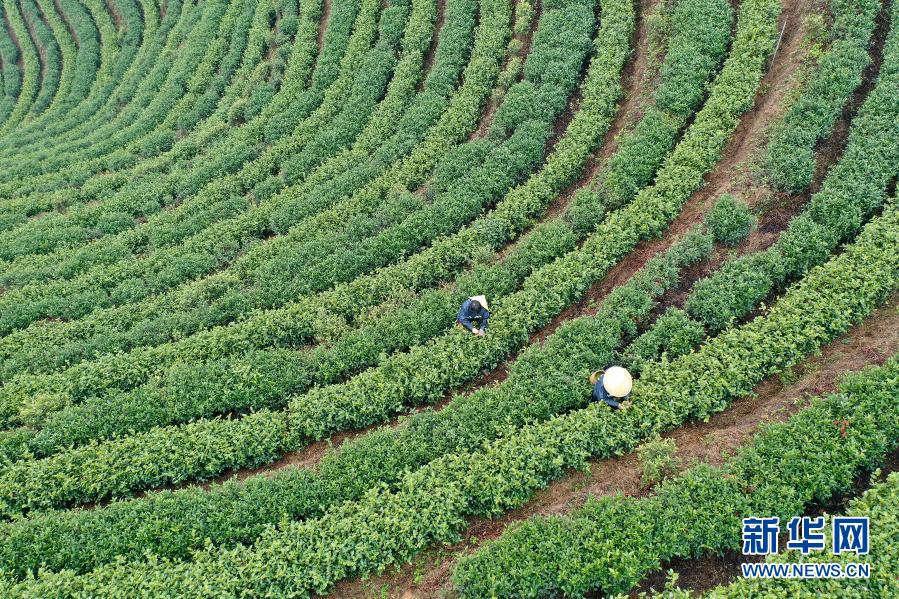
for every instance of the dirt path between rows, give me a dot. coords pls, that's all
(65, 19)
(733, 174)
(117, 19)
(41, 50)
(635, 73)
(323, 24)
(310, 455)
(774, 400)
(497, 95)
(432, 48)
(20, 61)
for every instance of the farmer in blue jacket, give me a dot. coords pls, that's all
(612, 386)
(473, 315)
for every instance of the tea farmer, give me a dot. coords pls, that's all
(612, 386)
(473, 315)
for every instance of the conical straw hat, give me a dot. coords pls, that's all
(617, 381)
(481, 300)
(595, 377)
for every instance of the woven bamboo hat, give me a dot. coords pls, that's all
(617, 381)
(481, 300)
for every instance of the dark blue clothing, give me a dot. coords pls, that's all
(467, 315)
(600, 394)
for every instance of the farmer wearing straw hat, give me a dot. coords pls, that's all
(473, 315)
(612, 386)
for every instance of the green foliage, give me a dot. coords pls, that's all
(790, 159)
(225, 240)
(657, 459)
(606, 71)
(673, 334)
(611, 544)
(379, 457)
(853, 189)
(730, 220)
(700, 32)
(879, 505)
(431, 503)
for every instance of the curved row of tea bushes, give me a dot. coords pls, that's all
(226, 196)
(431, 503)
(117, 52)
(49, 53)
(698, 42)
(228, 190)
(119, 199)
(619, 223)
(379, 457)
(583, 144)
(853, 189)
(79, 46)
(612, 543)
(166, 81)
(263, 284)
(12, 75)
(213, 86)
(208, 58)
(456, 35)
(126, 96)
(428, 369)
(465, 105)
(790, 159)
(262, 378)
(189, 20)
(30, 81)
(463, 110)
(593, 221)
(605, 68)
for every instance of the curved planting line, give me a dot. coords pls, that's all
(698, 42)
(443, 135)
(153, 103)
(79, 41)
(30, 66)
(306, 131)
(77, 175)
(790, 159)
(382, 456)
(12, 73)
(368, 333)
(434, 509)
(18, 210)
(582, 135)
(72, 25)
(80, 226)
(182, 395)
(585, 133)
(48, 55)
(241, 145)
(186, 148)
(783, 470)
(852, 190)
(147, 75)
(117, 53)
(578, 147)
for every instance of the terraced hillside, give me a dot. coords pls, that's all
(234, 238)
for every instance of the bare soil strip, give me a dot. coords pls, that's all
(432, 49)
(323, 23)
